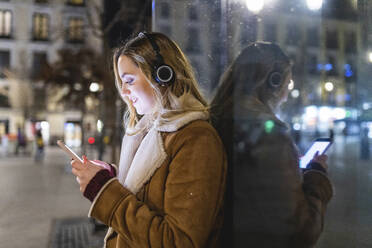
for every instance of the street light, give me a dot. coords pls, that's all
(255, 5)
(297, 126)
(94, 87)
(314, 4)
(99, 126)
(78, 86)
(295, 93)
(370, 57)
(366, 106)
(328, 86)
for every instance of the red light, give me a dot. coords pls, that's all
(91, 140)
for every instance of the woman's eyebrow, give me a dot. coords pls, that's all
(125, 74)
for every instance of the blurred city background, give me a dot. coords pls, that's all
(56, 82)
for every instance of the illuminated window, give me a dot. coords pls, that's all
(75, 30)
(41, 26)
(5, 23)
(76, 2)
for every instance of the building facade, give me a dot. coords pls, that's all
(32, 32)
(325, 49)
(195, 26)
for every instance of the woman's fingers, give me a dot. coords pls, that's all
(322, 160)
(80, 179)
(75, 172)
(85, 171)
(316, 154)
(85, 159)
(77, 165)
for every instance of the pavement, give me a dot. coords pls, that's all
(34, 195)
(348, 220)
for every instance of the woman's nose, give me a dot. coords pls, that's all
(125, 91)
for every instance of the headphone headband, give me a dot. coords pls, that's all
(155, 46)
(275, 77)
(163, 73)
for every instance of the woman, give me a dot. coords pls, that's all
(169, 187)
(272, 203)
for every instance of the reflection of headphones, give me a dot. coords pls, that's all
(274, 78)
(162, 73)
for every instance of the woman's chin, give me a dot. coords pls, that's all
(140, 112)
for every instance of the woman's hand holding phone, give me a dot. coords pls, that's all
(320, 146)
(85, 171)
(321, 159)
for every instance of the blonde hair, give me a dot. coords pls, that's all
(140, 51)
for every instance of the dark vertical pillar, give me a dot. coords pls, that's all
(134, 17)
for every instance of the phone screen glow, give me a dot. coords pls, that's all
(317, 146)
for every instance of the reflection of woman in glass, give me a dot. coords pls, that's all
(274, 203)
(168, 190)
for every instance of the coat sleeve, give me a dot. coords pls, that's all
(280, 203)
(192, 198)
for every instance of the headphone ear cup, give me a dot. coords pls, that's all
(275, 79)
(164, 74)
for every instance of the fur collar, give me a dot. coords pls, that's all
(144, 152)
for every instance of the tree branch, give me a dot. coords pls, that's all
(96, 28)
(138, 27)
(117, 17)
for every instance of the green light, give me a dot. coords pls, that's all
(348, 113)
(269, 125)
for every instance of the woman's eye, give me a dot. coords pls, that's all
(129, 80)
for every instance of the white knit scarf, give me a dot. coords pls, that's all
(142, 153)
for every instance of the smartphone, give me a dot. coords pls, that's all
(69, 151)
(320, 145)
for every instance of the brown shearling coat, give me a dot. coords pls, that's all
(181, 204)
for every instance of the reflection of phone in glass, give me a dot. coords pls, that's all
(68, 150)
(320, 145)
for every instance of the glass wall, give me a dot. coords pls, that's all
(328, 43)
